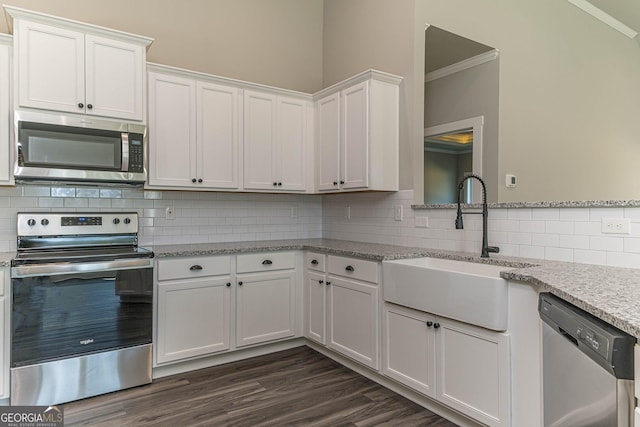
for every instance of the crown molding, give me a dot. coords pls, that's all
(462, 65)
(601, 15)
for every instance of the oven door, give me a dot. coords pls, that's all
(61, 310)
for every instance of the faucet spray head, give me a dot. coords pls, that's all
(459, 225)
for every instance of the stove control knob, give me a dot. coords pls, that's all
(127, 220)
(116, 221)
(44, 222)
(31, 222)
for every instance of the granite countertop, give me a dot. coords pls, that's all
(609, 293)
(6, 257)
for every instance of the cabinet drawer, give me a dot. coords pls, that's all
(265, 261)
(314, 261)
(354, 268)
(184, 268)
(3, 279)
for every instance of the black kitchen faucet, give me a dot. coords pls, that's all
(486, 249)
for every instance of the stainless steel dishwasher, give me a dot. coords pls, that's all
(587, 368)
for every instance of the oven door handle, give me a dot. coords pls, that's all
(84, 267)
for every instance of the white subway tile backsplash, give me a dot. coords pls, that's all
(559, 254)
(565, 234)
(575, 214)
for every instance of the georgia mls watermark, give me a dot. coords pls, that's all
(31, 416)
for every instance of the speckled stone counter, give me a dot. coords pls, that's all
(5, 258)
(609, 293)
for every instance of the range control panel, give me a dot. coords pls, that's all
(67, 224)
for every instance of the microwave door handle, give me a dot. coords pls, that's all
(125, 152)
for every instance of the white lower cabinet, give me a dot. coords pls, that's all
(5, 331)
(194, 307)
(316, 304)
(409, 349)
(462, 366)
(341, 307)
(265, 297)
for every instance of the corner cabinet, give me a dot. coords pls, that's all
(462, 366)
(68, 66)
(357, 134)
(6, 145)
(194, 128)
(275, 142)
(341, 306)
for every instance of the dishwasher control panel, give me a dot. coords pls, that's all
(604, 343)
(597, 342)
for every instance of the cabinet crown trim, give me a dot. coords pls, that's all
(241, 84)
(12, 13)
(370, 74)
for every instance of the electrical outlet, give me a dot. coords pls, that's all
(397, 212)
(616, 225)
(347, 212)
(294, 211)
(422, 221)
(170, 213)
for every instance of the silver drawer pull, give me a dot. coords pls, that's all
(267, 262)
(195, 267)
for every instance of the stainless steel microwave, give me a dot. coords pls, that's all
(70, 148)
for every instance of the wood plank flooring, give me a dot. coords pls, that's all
(297, 387)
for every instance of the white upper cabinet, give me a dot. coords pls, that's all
(217, 110)
(172, 130)
(357, 134)
(275, 129)
(6, 148)
(72, 67)
(193, 132)
(328, 142)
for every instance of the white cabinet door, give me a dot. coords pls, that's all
(50, 67)
(274, 142)
(259, 141)
(290, 152)
(193, 318)
(316, 307)
(6, 146)
(473, 371)
(409, 348)
(265, 307)
(172, 130)
(328, 142)
(355, 136)
(218, 139)
(353, 320)
(114, 78)
(5, 331)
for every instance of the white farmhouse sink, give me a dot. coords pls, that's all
(466, 291)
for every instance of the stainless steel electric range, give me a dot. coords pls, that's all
(81, 317)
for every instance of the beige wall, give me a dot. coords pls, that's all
(463, 95)
(379, 34)
(568, 84)
(568, 87)
(275, 42)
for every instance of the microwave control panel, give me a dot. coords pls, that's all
(136, 153)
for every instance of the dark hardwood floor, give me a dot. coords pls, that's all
(297, 387)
